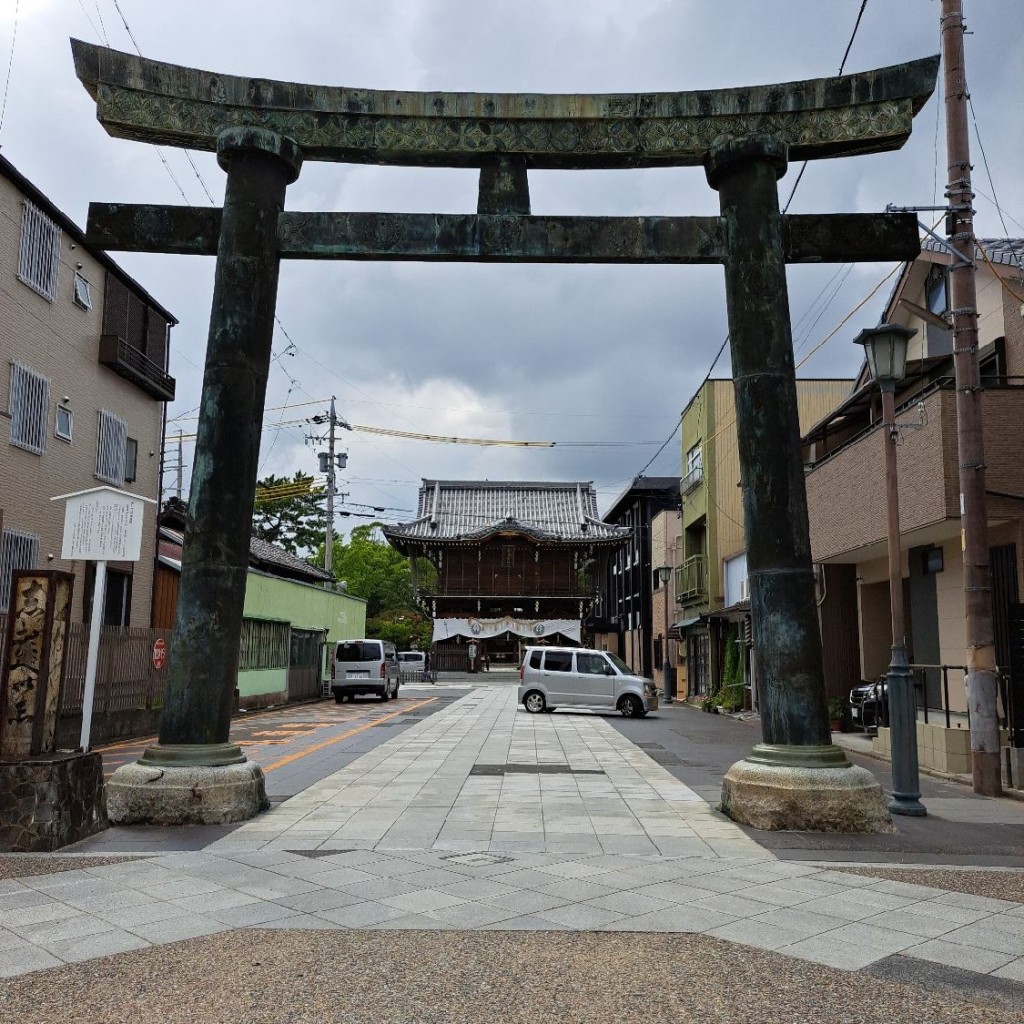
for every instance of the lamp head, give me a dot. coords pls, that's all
(885, 348)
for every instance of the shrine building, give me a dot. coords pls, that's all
(514, 563)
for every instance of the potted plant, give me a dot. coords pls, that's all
(836, 711)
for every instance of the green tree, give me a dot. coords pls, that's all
(406, 628)
(374, 570)
(289, 513)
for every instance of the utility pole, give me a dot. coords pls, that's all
(181, 464)
(982, 678)
(329, 462)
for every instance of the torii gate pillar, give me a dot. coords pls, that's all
(194, 775)
(795, 779)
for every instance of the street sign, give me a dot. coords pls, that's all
(159, 653)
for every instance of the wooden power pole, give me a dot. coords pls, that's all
(982, 676)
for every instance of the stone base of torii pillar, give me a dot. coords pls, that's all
(764, 791)
(146, 793)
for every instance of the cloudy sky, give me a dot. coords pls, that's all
(600, 359)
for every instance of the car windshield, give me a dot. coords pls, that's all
(618, 663)
(410, 656)
(355, 650)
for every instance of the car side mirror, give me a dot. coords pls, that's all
(609, 671)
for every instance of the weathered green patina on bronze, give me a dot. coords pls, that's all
(165, 104)
(742, 136)
(511, 238)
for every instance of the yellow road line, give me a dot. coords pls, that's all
(289, 758)
(147, 740)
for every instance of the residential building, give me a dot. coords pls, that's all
(291, 618)
(845, 456)
(666, 548)
(83, 389)
(515, 562)
(711, 580)
(623, 618)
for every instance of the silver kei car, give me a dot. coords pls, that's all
(576, 677)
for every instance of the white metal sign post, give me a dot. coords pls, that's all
(101, 524)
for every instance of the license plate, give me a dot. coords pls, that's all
(357, 675)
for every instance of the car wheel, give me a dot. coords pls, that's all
(630, 707)
(534, 702)
(385, 694)
(339, 698)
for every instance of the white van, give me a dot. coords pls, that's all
(364, 666)
(577, 677)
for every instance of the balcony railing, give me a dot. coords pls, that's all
(692, 580)
(691, 479)
(136, 367)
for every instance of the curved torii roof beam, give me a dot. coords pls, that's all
(150, 101)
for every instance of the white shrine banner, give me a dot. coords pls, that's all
(481, 629)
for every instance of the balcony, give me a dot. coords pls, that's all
(692, 581)
(692, 479)
(134, 366)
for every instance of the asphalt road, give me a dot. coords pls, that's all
(960, 827)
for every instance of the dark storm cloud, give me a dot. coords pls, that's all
(588, 354)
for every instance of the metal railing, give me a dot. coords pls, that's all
(136, 366)
(692, 580)
(692, 478)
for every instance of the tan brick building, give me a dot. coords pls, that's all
(83, 389)
(846, 484)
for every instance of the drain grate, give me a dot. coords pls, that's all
(318, 853)
(532, 769)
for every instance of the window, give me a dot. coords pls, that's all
(29, 406)
(694, 468)
(63, 423)
(264, 644)
(558, 661)
(359, 650)
(535, 657)
(111, 447)
(18, 550)
(83, 295)
(131, 459)
(117, 597)
(936, 289)
(40, 252)
(931, 561)
(591, 664)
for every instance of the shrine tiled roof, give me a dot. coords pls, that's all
(470, 510)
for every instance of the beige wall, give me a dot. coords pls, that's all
(61, 341)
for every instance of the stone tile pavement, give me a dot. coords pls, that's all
(484, 817)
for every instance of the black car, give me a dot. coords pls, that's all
(869, 705)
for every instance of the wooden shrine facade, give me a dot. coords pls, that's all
(514, 561)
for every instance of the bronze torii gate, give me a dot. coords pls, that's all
(262, 130)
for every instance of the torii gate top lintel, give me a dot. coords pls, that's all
(155, 102)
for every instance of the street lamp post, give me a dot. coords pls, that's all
(668, 677)
(885, 348)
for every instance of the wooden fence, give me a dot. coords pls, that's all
(126, 678)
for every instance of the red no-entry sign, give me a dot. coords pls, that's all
(159, 653)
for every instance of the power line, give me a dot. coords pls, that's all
(10, 64)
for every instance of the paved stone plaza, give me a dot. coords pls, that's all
(484, 817)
